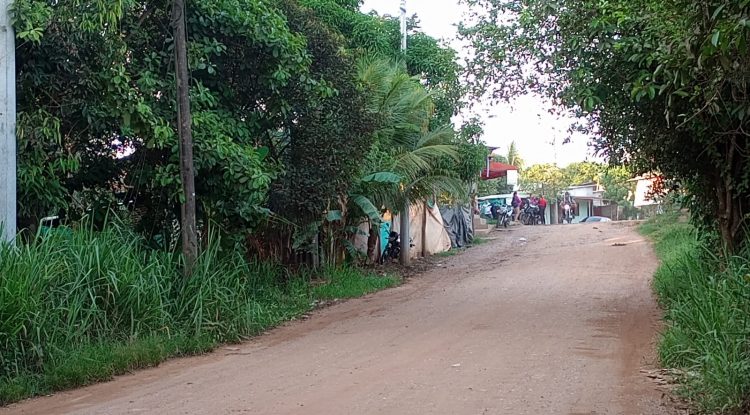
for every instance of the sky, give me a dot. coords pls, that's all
(538, 135)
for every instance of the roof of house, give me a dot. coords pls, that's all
(497, 169)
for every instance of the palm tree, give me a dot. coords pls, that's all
(514, 156)
(406, 160)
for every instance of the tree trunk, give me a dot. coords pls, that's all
(8, 174)
(730, 216)
(372, 244)
(424, 228)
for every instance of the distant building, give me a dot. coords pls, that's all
(645, 189)
(589, 199)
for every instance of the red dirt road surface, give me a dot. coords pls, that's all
(540, 320)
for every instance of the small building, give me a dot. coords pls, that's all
(589, 200)
(647, 197)
(645, 190)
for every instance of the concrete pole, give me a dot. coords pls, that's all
(403, 25)
(405, 258)
(7, 125)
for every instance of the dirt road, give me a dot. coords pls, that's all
(561, 322)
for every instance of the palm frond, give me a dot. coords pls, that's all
(421, 160)
(441, 135)
(426, 187)
(413, 156)
(382, 177)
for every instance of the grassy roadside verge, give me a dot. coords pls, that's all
(82, 309)
(478, 240)
(707, 311)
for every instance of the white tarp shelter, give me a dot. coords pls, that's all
(428, 234)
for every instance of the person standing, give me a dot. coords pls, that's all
(533, 200)
(516, 204)
(543, 208)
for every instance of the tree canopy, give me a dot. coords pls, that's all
(282, 115)
(663, 85)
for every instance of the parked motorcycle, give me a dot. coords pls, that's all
(505, 216)
(393, 249)
(532, 215)
(523, 217)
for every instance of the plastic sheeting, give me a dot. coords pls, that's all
(428, 234)
(458, 225)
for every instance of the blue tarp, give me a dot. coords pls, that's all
(385, 231)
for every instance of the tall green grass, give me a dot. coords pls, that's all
(350, 283)
(81, 308)
(707, 302)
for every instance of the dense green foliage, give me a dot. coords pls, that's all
(282, 117)
(82, 307)
(435, 64)
(707, 313)
(663, 85)
(308, 121)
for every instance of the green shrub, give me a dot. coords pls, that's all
(707, 303)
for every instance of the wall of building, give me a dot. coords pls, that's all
(583, 211)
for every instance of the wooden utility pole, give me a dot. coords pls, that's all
(184, 127)
(405, 258)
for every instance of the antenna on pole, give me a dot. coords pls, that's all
(7, 125)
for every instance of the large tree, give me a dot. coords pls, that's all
(662, 83)
(409, 157)
(97, 113)
(546, 179)
(281, 119)
(435, 63)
